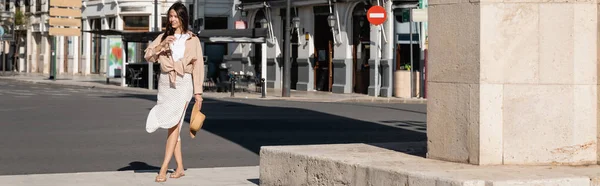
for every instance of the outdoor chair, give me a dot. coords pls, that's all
(135, 77)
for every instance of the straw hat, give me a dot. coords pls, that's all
(196, 121)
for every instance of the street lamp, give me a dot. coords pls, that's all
(296, 22)
(332, 23)
(264, 23)
(331, 20)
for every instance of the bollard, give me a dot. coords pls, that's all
(232, 86)
(263, 88)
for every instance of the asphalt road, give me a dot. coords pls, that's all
(60, 129)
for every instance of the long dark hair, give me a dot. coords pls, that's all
(182, 13)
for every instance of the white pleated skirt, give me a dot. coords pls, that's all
(171, 103)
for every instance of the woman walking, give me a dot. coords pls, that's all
(182, 74)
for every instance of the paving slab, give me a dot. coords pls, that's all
(389, 164)
(228, 176)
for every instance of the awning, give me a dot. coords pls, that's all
(257, 4)
(128, 36)
(256, 35)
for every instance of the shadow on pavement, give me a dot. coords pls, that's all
(137, 166)
(253, 126)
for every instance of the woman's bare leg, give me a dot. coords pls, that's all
(170, 147)
(178, 157)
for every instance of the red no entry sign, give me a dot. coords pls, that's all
(376, 15)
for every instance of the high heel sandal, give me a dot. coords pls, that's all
(177, 174)
(161, 178)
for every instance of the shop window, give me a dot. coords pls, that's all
(215, 23)
(141, 23)
(38, 5)
(112, 23)
(96, 24)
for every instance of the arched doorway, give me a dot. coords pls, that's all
(361, 34)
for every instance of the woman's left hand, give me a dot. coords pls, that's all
(198, 101)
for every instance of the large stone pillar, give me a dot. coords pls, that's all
(275, 54)
(306, 51)
(513, 82)
(46, 42)
(87, 49)
(342, 52)
(29, 49)
(76, 51)
(374, 62)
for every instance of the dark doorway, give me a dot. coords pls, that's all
(323, 50)
(361, 34)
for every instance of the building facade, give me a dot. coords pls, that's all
(90, 53)
(14, 21)
(334, 48)
(121, 15)
(37, 53)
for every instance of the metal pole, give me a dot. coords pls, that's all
(377, 63)
(286, 54)
(412, 66)
(53, 58)
(233, 79)
(151, 65)
(3, 60)
(394, 57)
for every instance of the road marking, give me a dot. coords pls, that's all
(59, 94)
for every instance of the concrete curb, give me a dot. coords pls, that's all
(81, 84)
(380, 165)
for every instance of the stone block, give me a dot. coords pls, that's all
(584, 50)
(541, 121)
(513, 29)
(554, 182)
(370, 164)
(448, 121)
(490, 136)
(454, 56)
(556, 60)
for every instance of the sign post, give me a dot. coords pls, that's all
(377, 15)
(65, 20)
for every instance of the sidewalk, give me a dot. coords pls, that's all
(228, 176)
(99, 81)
